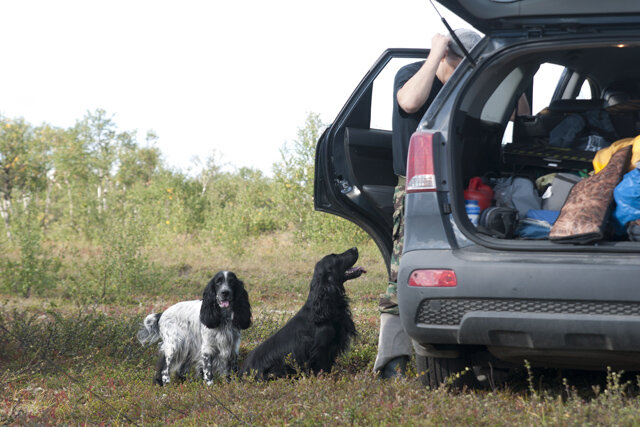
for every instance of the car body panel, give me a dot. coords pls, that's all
(496, 15)
(528, 300)
(423, 215)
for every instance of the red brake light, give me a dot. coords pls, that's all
(433, 278)
(420, 172)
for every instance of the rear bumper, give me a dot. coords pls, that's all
(526, 303)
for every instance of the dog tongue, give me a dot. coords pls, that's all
(354, 272)
(224, 304)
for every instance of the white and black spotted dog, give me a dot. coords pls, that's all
(202, 334)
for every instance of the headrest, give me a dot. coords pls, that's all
(615, 97)
(575, 105)
(621, 92)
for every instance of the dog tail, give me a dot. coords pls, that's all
(150, 331)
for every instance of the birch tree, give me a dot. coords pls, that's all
(97, 131)
(22, 165)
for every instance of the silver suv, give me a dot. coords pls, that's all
(467, 298)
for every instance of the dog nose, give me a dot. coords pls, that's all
(224, 293)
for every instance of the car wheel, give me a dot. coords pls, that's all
(455, 373)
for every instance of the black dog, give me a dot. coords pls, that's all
(319, 332)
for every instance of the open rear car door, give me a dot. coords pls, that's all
(354, 175)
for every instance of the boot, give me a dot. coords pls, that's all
(396, 367)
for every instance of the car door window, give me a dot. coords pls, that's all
(382, 96)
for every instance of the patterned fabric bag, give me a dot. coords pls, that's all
(584, 215)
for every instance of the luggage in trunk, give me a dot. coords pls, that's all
(585, 213)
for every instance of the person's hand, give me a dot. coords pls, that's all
(439, 44)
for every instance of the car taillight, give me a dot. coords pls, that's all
(420, 172)
(433, 278)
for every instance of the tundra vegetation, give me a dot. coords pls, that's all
(97, 232)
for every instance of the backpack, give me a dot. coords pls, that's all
(633, 230)
(499, 221)
(517, 192)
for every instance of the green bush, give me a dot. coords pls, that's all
(52, 335)
(294, 175)
(34, 270)
(122, 267)
(97, 188)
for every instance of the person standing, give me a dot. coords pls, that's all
(415, 87)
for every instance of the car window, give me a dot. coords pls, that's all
(585, 91)
(545, 82)
(382, 96)
(544, 85)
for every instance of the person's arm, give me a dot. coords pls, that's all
(523, 106)
(415, 91)
(522, 109)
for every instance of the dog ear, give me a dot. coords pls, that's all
(210, 313)
(241, 306)
(324, 295)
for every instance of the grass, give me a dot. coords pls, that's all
(69, 361)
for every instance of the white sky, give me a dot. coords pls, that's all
(237, 77)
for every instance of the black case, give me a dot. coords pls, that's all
(546, 156)
(498, 222)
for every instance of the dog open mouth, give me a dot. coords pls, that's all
(223, 304)
(354, 272)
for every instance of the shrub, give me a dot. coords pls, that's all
(34, 271)
(122, 267)
(295, 175)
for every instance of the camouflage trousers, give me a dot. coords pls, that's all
(389, 300)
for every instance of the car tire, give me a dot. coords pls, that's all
(456, 373)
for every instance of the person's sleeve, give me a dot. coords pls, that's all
(402, 76)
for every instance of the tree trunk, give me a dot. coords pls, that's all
(66, 181)
(104, 194)
(5, 211)
(204, 182)
(100, 197)
(47, 204)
